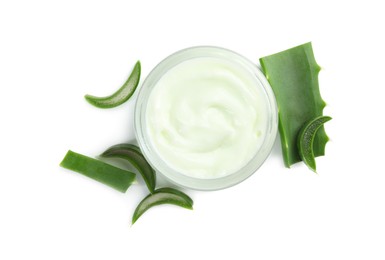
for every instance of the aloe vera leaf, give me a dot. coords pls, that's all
(306, 139)
(162, 196)
(121, 95)
(100, 171)
(133, 155)
(293, 76)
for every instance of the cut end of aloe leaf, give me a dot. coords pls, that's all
(306, 138)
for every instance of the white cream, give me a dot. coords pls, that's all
(207, 117)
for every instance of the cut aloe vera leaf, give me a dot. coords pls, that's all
(306, 139)
(121, 95)
(293, 76)
(162, 196)
(133, 155)
(107, 174)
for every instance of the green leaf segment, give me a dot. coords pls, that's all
(100, 171)
(121, 95)
(133, 155)
(306, 139)
(162, 196)
(293, 76)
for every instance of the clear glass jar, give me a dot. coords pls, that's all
(144, 139)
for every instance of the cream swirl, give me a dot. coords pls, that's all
(207, 117)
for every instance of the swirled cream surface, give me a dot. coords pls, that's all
(207, 117)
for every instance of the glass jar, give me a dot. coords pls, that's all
(151, 153)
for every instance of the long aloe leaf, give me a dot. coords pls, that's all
(100, 171)
(293, 75)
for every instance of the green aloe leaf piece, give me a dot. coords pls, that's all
(133, 155)
(306, 139)
(162, 196)
(121, 95)
(293, 76)
(100, 171)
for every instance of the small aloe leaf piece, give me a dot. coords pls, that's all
(121, 95)
(306, 139)
(133, 155)
(293, 76)
(100, 171)
(162, 196)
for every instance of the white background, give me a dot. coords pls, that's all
(54, 52)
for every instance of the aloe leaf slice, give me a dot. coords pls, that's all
(162, 196)
(293, 76)
(306, 139)
(121, 95)
(133, 155)
(107, 174)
